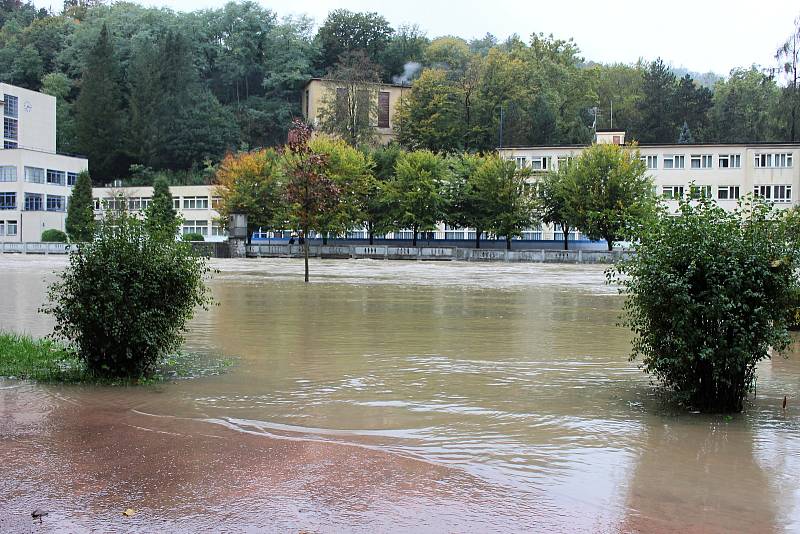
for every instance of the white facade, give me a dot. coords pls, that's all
(723, 172)
(195, 204)
(35, 181)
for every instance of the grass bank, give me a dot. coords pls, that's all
(25, 358)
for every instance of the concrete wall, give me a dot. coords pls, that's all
(36, 116)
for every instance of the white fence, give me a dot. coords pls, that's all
(386, 252)
(35, 248)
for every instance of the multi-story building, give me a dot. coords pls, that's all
(318, 92)
(195, 204)
(35, 180)
(723, 172)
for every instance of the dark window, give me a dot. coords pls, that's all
(10, 128)
(9, 144)
(8, 201)
(55, 177)
(383, 109)
(11, 106)
(72, 177)
(33, 202)
(55, 203)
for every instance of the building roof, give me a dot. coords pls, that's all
(401, 86)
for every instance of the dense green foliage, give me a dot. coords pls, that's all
(416, 191)
(51, 235)
(25, 358)
(707, 296)
(124, 299)
(80, 212)
(608, 193)
(174, 91)
(192, 236)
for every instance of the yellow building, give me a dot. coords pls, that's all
(318, 91)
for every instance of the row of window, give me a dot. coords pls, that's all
(38, 175)
(773, 193)
(33, 202)
(10, 121)
(201, 227)
(8, 228)
(678, 161)
(141, 203)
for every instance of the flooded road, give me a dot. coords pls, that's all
(395, 396)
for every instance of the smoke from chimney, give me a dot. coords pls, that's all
(409, 70)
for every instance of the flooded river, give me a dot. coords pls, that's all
(394, 396)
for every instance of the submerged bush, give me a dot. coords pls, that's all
(54, 236)
(125, 298)
(707, 295)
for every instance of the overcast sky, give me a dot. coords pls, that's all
(701, 35)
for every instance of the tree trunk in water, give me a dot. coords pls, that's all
(414, 239)
(508, 243)
(566, 236)
(371, 229)
(610, 244)
(305, 250)
(477, 238)
(325, 238)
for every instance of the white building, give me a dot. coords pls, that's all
(35, 181)
(195, 204)
(723, 172)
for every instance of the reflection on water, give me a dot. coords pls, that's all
(398, 396)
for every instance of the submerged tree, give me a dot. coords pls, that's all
(310, 193)
(707, 295)
(161, 219)
(416, 191)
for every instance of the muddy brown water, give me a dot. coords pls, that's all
(394, 397)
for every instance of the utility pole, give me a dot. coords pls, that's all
(502, 117)
(612, 115)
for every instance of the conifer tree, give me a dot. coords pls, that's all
(97, 111)
(160, 216)
(80, 213)
(685, 137)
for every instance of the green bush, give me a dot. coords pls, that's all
(124, 299)
(707, 298)
(54, 236)
(193, 237)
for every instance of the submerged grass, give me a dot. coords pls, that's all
(25, 358)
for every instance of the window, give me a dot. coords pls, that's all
(34, 175)
(11, 106)
(72, 177)
(195, 203)
(218, 229)
(176, 202)
(701, 161)
(138, 203)
(383, 109)
(195, 227)
(112, 203)
(55, 177)
(215, 202)
(775, 193)
(532, 234)
(8, 201)
(34, 202)
(650, 161)
(10, 128)
(520, 161)
(728, 192)
(730, 161)
(701, 191)
(8, 173)
(540, 163)
(453, 232)
(617, 139)
(564, 161)
(55, 203)
(780, 160)
(9, 144)
(674, 162)
(11, 227)
(672, 191)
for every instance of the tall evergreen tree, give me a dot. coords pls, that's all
(98, 118)
(658, 105)
(160, 216)
(80, 213)
(685, 137)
